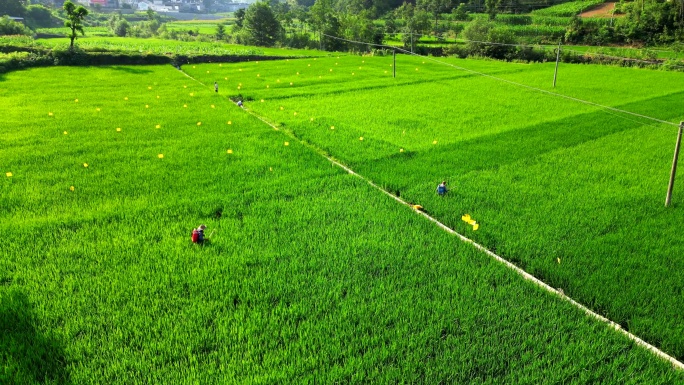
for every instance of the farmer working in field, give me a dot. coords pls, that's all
(198, 234)
(216, 86)
(442, 189)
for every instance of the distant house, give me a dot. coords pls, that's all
(104, 3)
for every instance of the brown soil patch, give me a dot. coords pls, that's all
(602, 10)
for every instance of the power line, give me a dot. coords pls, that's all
(510, 81)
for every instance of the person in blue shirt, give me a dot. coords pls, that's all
(442, 189)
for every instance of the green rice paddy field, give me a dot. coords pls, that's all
(311, 275)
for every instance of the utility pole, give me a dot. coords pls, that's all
(394, 63)
(668, 199)
(555, 74)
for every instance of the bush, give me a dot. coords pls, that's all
(11, 27)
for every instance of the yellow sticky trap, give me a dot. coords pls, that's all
(185, 106)
(160, 156)
(207, 71)
(229, 151)
(295, 113)
(212, 106)
(157, 96)
(434, 142)
(332, 127)
(126, 98)
(199, 123)
(50, 114)
(352, 74)
(240, 69)
(416, 69)
(465, 218)
(192, 94)
(281, 108)
(258, 75)
(149, 88)
(72, 188)
(267, 86)
(291, 83)
(476, 226)
(85, 165)
(297, 73)
(97, 109)
(147, 106)
(385, 71)
(277, 80)
(185, 86)
(262, 100)
(472, 222)
(287, 143)
(361, 138)
(157, 126)
(230, 122)
(311, 119)
(401, 150)
(257, 62)
(118, 129)
(65, 133)
(9, 174)
(331, 70)
(76, 100)
(193, 67)
(225, 78)
(239, 87)
(558, 260)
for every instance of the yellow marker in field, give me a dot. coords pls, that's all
(239, 87)
(417, 207)
(401, 150)
(267, 86)
(118, 129)
(295, 114)
(185, 106)
(220, 65)
(192, 94)
(240, 69)
(149, 88)
(157, 126)
(185, 86)
(416, 68)
(230, 122)
(281, 108)
(65, 133)
(257, 62)
(434, 142)
(297, 73)
(331, 70)
(147, 106)
(385, 71)
(126, 98)
(229, 151)
(212, 106)
(8, 174)
(466, 218)
(476, 226)
(72, 188)
(262, 100)
(311, 119)
(225, 78)
(199, 123)
(85, 165)
(291, 83)
(76, 100)
(558, 260)
(50, 114)
(352, 74)
(193, 67)
(160, 156)
(157, 96)
(361, 138)
(332, 127)
(287, 143)
(207, 71)
(278, 81)
(258, 75)
(270, 169)
(97, 109)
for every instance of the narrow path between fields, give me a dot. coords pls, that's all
(558, 292)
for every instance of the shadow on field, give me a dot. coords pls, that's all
(26, 355)
(496, 150)
(130, 70)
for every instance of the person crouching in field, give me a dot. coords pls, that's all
(198, 234)
(442, 188)
(216, 86)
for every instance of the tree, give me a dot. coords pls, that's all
(415, 21)
(261, 25)
(75, 17)
(239, 18)
(13, 7)
(491, 8)
(122, 27)
(220, 32)
(11, 27)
